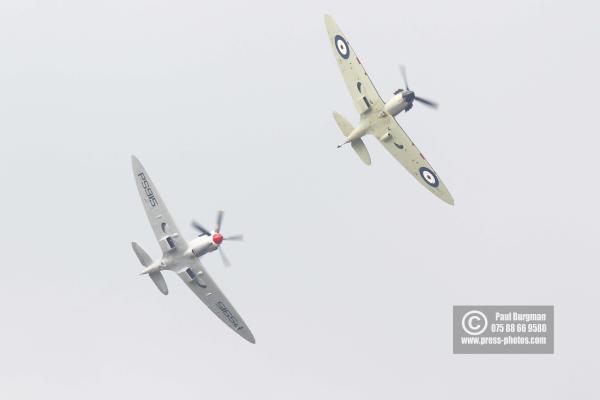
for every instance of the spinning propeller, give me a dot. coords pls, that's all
(216, 236)
(409, 95)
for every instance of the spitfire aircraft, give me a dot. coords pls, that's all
(183, 257)
(377, 117)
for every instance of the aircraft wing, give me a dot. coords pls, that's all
(359, 84)
(164, 227)
(397, 142)
(198, 280)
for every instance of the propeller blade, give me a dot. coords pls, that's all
(403, 72)
(234, 237)
(200, 228)
(224, 258)
(219, 220)
(429, 103)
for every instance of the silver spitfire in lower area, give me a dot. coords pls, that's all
(183, 257)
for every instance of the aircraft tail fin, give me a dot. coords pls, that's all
(357, 144)
(156, 276)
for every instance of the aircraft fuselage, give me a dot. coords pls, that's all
(197, 247)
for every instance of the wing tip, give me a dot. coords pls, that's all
(135, 162)
(448, 198)
(329, 23)
(247, 334)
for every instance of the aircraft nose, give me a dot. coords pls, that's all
(217, 238)
(408, 95)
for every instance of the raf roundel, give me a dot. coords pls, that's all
(429, 176)
(342, 47)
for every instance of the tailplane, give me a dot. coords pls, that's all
(359, 147)
(141, 254)
(357, 144)
(343, 123)
(153, 273)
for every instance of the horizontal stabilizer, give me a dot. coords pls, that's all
(344, 125)
(141, 254)
(152, 270)
(359, 146)
(159, 280)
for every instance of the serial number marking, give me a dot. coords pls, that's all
(148, 190)
(229, 315)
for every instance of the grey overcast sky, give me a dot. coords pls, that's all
(348, 273)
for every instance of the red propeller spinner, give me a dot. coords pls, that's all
(217, 238)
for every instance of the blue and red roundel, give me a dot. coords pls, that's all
(342, 47)
(429, 177)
